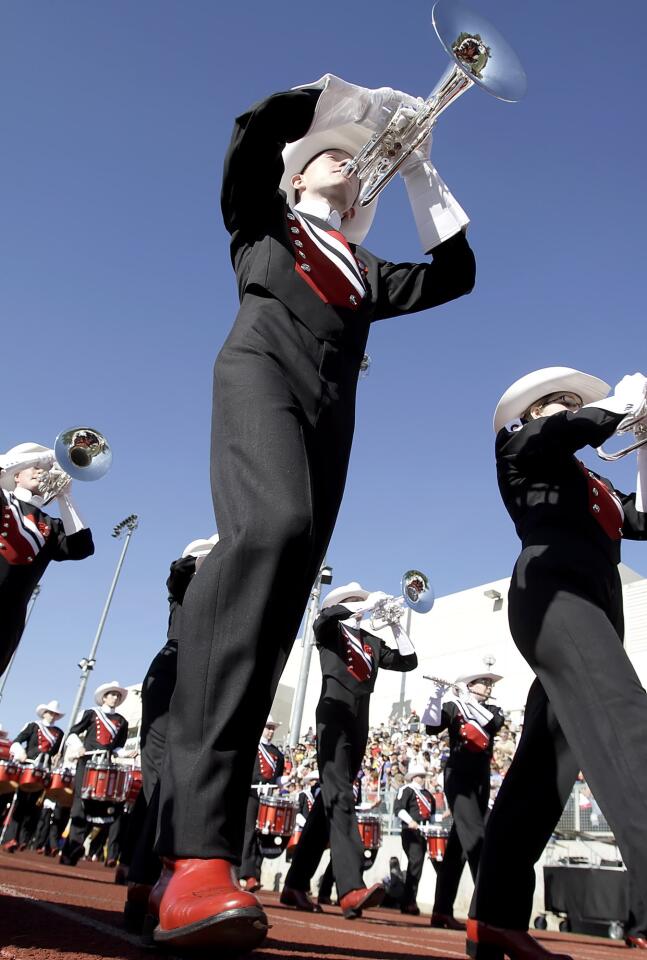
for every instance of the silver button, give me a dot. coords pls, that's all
(619, 531)
(295, 230)
(301, 253)
(298, 243)
(596, 507)
(305, 267)
(2, 546)
(353, 299)
(291, 216)
(30, 559)
(595, 491)
(5, 524)
(4, 534)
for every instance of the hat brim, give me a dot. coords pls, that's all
(527, 390)
(105, 688)
(483, 675)
(43, 708)
(7, 477)
(339, 594)
(416, 772)
(200, 548)
(349, 137)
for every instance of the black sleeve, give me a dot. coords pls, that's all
(121, 737)
(635, 522)
(497, 720)
(392, 659)
(179, 578)
(24, 734)
(280, 767)
(401, 800)
(84, 723)
(558, 436)
(448, 713)
(325, 626)
(409, 287)
(73, 546)
(253, 164)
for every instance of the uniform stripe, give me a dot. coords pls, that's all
(335, 251)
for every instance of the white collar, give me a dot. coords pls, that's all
(320, 209)
(21, 493)
(267, 743)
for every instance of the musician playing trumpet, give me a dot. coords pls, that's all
(586, 709)
(30, 538)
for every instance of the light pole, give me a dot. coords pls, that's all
(32, 604)
(87, 663)
(324, 576)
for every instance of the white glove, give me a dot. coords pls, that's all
(342, 102)
(461, 690)
(382, 104)
(629, 396)
(18, 752)
(72, 520)
(74, 747)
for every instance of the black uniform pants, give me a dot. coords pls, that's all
(252, 859)
(342, 731)
(467, 790)
(414, 845)
(282, 426)
(586, 711)
(24, 818)
(157, 689)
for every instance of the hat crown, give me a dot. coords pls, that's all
(530, 388)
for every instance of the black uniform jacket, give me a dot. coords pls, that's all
(96, 737)
(353, 657)
(407, 799)
(36, 741)
(180, 577)
(305, 801)
(460, 753)
(553, 498)
(29, 539)
(263, 251)
(268, 770)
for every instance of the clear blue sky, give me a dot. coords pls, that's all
(117, 292)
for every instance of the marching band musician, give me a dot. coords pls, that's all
(415, 806)
(307, 797)
(106, 731)
(38, 739)
(586, 709)
(351, 654)
(139, 856)
(282, 426)
(472, 722)
(30, 538)
(268, 770)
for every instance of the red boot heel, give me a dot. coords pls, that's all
(494, 943)
(483, 951)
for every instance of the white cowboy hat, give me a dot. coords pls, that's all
(23, 452)
(415, 770)
(53, 707)
(339, 594)
(312, 775)
(273, 724)
(113, 686)
(200, 548)
(349, 136)
(483, 675)
(527, 390)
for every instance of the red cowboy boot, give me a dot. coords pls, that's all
(353, 902)
(198, 903)
(639, 942)
(495, 943)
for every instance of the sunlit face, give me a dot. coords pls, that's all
(111, 698)
(268, 733)
(323, 179)
(555, 403)
(481, 688)
(48, 717)
(30, 478)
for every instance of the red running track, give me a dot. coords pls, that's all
(50, 912)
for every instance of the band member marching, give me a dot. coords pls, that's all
(586, 709)
(415, 807)
(38, 740)
(351, 655)
(472, 722)
(106, 732)
(282, 426)
(138, 855)
(30, 538)
(268, 770)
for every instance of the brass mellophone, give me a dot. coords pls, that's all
(636, 425)
(479, 55)
(80, 453)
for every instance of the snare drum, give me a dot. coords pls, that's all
(133, 785)
(5, 751)
(102, 781)
(370, 830)
(274, 824)
(436, 843)
(61, 788)
(9, 775)
(34, 777)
